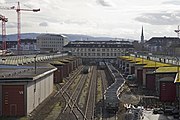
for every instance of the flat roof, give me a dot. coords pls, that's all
(56, 63)
(172, 69)
(64, 60)
(131, 58)
(154, 64)
(145, 62)
(25, 73)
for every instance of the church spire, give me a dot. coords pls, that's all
(142, 35)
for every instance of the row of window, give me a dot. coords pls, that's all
(96, 49)
(51, 45)
(98, 54)
(50, 42)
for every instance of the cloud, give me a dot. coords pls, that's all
(43, 24)
(162, 18)
(72, 21)
(104, 3)
(2, 1)
(173, 2)
(11, 25)
(14, 24)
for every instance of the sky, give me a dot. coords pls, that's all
(112, 18)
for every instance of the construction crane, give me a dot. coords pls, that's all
(4, 20)
(18, 9)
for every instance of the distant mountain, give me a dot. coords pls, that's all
(13, 37)
(71, 37)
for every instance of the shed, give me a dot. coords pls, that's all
(23, 88)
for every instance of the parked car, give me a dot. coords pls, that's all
(158, 111)
(130, 77)
(168, 109)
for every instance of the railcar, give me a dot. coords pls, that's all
(86, 70)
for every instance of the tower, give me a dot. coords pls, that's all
(142, 35)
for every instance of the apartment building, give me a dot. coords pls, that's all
(51, 42)
(99, 49)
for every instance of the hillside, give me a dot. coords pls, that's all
(71, 37)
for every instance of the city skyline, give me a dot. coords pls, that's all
(113, 18)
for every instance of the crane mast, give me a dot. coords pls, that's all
(4, 20)
(18, 27)
(18, 9)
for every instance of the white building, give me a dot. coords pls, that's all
(99, 49)
(51, 42)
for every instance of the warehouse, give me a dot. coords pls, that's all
(23, 88)
(154, 76)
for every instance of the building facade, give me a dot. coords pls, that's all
(163, 45)
(51, 42)
(99, 49)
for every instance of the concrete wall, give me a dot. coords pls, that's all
(38, 91)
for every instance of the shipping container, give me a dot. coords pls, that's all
(58, 74)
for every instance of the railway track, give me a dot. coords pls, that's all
(69, 82)
(91, 99)
(74, 97)
(50, 103)
(71, 109)
(73, 114)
